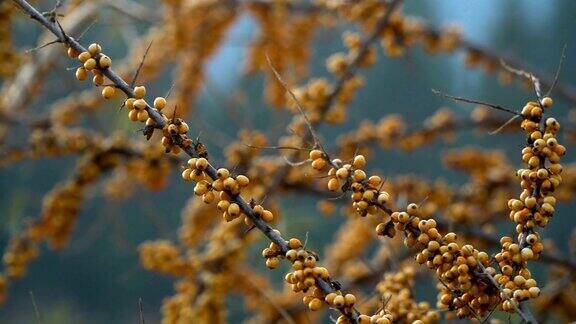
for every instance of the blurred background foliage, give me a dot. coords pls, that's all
(98, 278)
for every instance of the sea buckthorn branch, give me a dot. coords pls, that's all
(392, 131)
(457, 267)
(477, 54)
(175, 139)
(205, 273)
(408, 31)
(360, 54)
(290, 51)
(15, 95)
(68, 110)
(62, 205)
(535, 206)
(404, 186)
(556, 297)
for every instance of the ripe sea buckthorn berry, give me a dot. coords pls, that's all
(333, 184)
(105, 62)
(139, 92)
(94, 49)
(315, 154)
(294, 243)
(342, 173)
(339, 301)
(139, 104)
(98, 79)
(160, 103)
(208, 197)
(359, 175)
(108, 92)
(129, 103)
(142, 116)
(201, 164)
(315, 304)
(527, 254)
(72, 53)
(267, 216)
(223, 205)
(258, 210)
(547, 102)
(242, 180)
(90, 64)
(83, 57)
(412, 209)
(291, 255)
(359, 162)
(349, 300)
(403, 217)
(272, 263)
(81, 74)
(230, 184)
(223, 173)
(383, 198)
(330, 298)
(530, 202)
(133, 115)
(318, 164)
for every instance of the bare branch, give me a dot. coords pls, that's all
(462, 99)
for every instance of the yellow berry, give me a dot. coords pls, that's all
(139, 92)
(315, 154)
(359, 162)
(160, 103)
(272, 263)
(83, 57)
(72, 53)
(98, 79)
(81, 74)
(90, 64)
(294, 243)
(547, 102)
(108, 92)
(242, 180)
(142, 115)
(201, 164)
(105, 62)
(267, 216)
(94, 49)
(333, 184)
(133, 115)
(315, 304)
(139, 104)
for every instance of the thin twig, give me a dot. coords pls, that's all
(140, 311)
(36, 310)
(140, 65)
(298, 104)
(455, 98)
(558, 69)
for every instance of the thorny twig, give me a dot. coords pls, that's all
(455, 98)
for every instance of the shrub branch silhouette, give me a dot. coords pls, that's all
(320, 279)
(471, 282)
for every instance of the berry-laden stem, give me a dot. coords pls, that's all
(348, 73)
(160, 121)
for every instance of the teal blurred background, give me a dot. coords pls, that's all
(98, 278)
